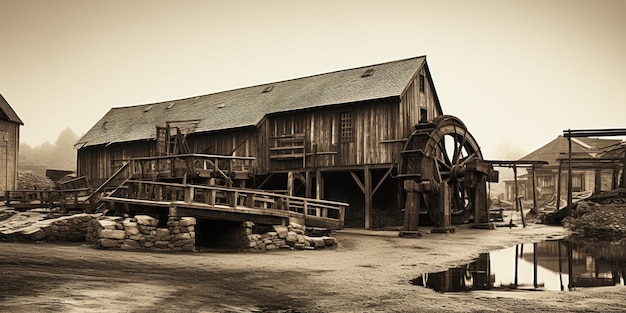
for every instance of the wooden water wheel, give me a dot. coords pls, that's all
(439, 152)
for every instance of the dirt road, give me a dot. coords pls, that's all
(368, 272)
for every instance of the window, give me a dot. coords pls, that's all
(545, 181)
(423, 115)
(422, 83)
(346, 126)
(578, 182)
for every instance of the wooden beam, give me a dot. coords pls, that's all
(358, 181)
(319, 185)
(382, 180)
(368, 198)
(290, 178)
(309, 185)
(265, 180)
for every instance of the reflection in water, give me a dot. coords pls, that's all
(550, 265)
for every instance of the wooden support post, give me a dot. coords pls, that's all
(535, 283)
(569, 176)
(290, 178)
(622, 180)
(557, 204)
(368, 198)
(521, 209)
(444, 202)
(319, 185)
(309, 182)
(189, 194)
(534, 178)
(411, 209)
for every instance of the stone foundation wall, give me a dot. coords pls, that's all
(141, 233)
(292, 237)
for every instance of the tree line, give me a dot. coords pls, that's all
(59, 156)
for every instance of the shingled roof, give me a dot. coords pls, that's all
(246, 107)
(7, 113)
(558, 148)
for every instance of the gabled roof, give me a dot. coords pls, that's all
(559, 147)
(7, 113)
(246, 107)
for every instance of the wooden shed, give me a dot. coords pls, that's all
(9, 145)
(333, 136)
(598, 167)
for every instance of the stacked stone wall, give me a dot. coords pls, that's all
(291, 237)
(142, 233)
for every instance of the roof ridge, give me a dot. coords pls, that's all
(275, 82)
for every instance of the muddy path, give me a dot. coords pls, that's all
(368, 272)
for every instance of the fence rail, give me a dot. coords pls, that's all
(235, 198)
(64, 199)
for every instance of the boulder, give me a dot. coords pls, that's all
(112, 234)
(33, 233)
(281, 231)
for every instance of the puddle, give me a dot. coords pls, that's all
(563, 264)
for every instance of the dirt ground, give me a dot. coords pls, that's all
(368, 272)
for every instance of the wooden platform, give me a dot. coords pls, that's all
(223, 203)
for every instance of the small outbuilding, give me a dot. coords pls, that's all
(9, 145)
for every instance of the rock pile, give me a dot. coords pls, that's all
(32, 226)
(601, 216)
(32, 181)
(142, 233)
(286, 237)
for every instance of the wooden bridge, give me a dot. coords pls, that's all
(224, 203)
(196, 185)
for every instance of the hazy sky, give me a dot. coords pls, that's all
(516, 72)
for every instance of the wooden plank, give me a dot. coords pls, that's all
(287, 156)
(286, 148)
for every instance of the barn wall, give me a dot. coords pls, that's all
(98, 163)
(9, 147)
(373, 141)
(237, 142)
(414, 101)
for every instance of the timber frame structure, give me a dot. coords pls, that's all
(336, 136)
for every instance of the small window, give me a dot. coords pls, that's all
(423, 115)
(545, 181)
(346, 126)
(578, 182)
(422, 83)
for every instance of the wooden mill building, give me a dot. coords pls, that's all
(9, 145)
(334, 136)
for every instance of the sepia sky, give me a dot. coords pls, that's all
(516, 72)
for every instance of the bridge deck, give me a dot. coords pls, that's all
(223, 203)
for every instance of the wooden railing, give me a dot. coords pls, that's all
(235, 198)
(52, 198)
(204, 165)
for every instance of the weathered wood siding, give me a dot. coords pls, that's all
(9, 147)
(100, 162)
(235, 142)
(415, 101)
(374, 137)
